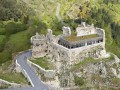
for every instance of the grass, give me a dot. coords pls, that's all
(44, 63)
(19, 41)
(5, 65)
(75, 38)
(4, 86)
(13, 77)
(2, 37)
(4, 57)
(115, 81)
(2, 42)
(79, 81)
(91, 60)
(86, 61)
(82, 63)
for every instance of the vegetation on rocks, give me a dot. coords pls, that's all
(44, 63)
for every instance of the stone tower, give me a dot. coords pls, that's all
(39, 45)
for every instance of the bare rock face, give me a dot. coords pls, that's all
(116, 72)
(116, 67)
(101, 73)
(102, 69)
(117, 60)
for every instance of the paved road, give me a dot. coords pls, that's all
(38, 85)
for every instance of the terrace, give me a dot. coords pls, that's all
(75, 42)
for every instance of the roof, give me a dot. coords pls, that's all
(74, 38)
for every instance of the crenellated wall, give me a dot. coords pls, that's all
(39, 45)
(84, 29)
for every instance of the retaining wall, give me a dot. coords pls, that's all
(14, 85)
(37, 68)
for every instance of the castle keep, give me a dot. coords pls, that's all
(87, 41)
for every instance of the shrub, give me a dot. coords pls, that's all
(79, 81)
(12, 28)
(2, 42)
(5, 56)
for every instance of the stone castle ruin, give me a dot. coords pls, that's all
(87, 41)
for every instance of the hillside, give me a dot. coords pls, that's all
(20, 19)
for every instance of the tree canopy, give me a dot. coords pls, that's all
(12, 9)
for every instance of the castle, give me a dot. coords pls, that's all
(87, 41)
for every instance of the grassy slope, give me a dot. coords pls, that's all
(14, 77)
(44, 63)
(11, 76)
(2, 37)
(19, 41)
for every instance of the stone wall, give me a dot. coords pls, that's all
(37, 68)
(39, 45)
(39, 51)
(93, 51)
(13, 85)
(85, 30)
(60, 53)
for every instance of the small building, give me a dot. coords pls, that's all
(85, 35)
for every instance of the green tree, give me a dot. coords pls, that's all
(13, 27)
(79, 81)
(13, 9)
